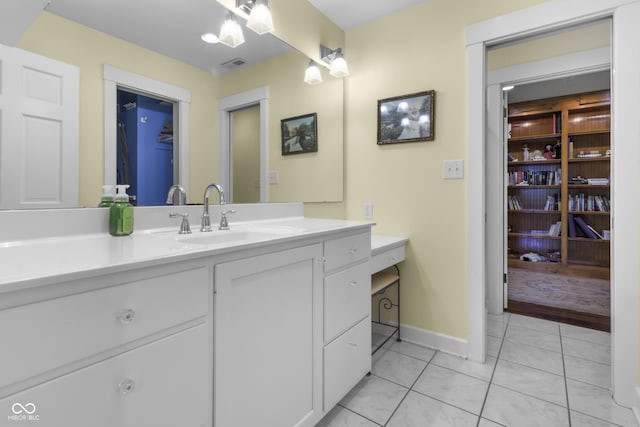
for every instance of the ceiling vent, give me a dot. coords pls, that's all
(235, 62)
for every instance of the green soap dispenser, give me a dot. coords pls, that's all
(121, 213)
(107, 196)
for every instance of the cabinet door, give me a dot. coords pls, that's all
(163, 384)
(268, 340)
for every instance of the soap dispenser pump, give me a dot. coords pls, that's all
(107, 196)
(121, 213)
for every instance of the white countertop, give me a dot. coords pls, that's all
(380, 243)
(35, 262)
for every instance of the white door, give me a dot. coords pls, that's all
(38, 131)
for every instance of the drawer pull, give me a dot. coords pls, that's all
(354, 345)
(126, 316)
(353, 283)
(353, 251)
(126, 386)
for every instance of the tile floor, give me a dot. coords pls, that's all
(538, 373)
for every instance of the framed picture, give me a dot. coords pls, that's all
(299, 134)
(406, 118)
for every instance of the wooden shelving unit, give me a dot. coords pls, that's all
(577, 127)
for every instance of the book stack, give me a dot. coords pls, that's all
(513, 203)
(555, 229)
(553, 201)
(598, 181)
(578, 226)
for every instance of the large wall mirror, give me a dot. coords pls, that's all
(142, 38)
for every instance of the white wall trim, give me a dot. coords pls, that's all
(557, 14)
(114, 78)
(434, 340)
(540, 18)
(226, 105)
(636, 406)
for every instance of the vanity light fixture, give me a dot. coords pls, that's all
(312, 74)
(260, 18)
(335, 58)
(231, 32)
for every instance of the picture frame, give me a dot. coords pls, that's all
(299, 134)
(407, 118)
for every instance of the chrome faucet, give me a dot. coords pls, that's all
(206, 221)
(182, 196)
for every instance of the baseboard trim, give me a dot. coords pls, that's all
(435, 340)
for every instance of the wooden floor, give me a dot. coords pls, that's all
(587, 320)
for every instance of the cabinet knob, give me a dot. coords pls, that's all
(321, 260)
(353, 251)
(126, 386)
(353, 345)
(353, 283)
(126, 316)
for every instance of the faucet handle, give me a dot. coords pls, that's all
(224, 225)
(185, 228)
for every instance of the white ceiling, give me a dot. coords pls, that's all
(348, 14)
(173, 28)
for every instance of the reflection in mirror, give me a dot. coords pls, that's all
(90, 34)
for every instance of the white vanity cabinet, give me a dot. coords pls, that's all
(129, 349)
(292, 332)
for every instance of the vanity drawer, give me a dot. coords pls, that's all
(347, 299)
(387, 258)
(42, 336)
(346, 250)
(165, 383)
(346, 361)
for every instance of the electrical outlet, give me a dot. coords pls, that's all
(453, 169)
(274, 177)
(368, 210)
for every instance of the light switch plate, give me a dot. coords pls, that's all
(367, 211)
(453, 169)
(274, 177)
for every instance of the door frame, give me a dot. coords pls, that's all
(115, 78)
(548, 16)
(226, 106)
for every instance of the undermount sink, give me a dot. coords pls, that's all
(217, 237)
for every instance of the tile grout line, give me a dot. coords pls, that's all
(409, 389)
(564, 370)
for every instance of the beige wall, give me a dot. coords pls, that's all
(88, 49)
(246, 155)
(308, 177)
(417, 49)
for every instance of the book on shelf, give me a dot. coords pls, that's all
(585, 228)
(555, 229)
(552, 203)
(571, 225)
(598, 181)
(513, 203)
(530, 177)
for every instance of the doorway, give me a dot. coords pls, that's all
(145, 147)
(245, 155)
(557, 165)
(625, 92)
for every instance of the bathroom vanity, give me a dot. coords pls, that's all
(264, 324)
